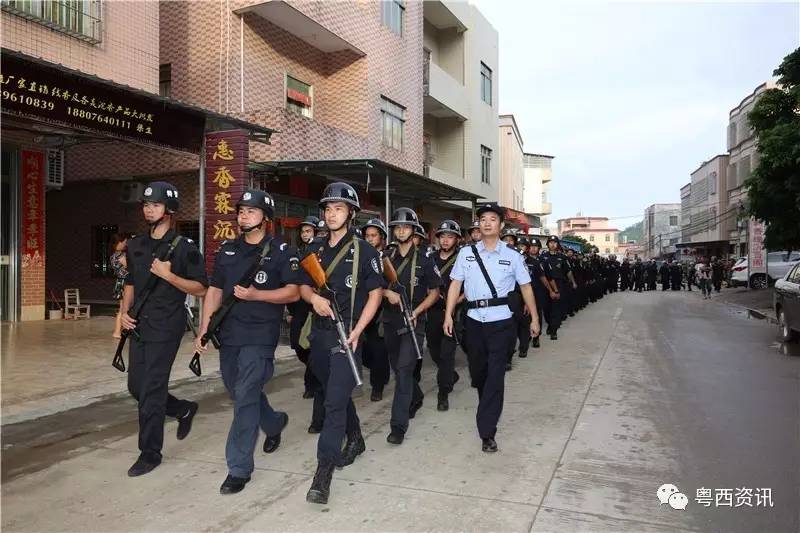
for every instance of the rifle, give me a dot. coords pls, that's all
(312, 266)
(118, 362)
(405, 306)
(218, 316)
(194, 364)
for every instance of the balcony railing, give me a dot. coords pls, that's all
(78, 18)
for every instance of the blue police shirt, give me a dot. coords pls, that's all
(251, 322)
(505, 267)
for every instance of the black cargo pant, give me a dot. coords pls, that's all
(404, 363)
(150, 364)
(442, 349)
(332, 399)
(487, 345)
(375, 356)
(555, 311)
(296, 326)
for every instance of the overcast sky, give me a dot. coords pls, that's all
(630, 97)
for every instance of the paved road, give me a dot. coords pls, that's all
(641, 390)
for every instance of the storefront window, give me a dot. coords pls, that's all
(102, 237)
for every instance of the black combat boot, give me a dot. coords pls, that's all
(443, 404)
(321, 485)
(535, 342)
(354, 447)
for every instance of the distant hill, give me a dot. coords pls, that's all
(633, 233)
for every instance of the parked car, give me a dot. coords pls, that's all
(786, 302)
(778, 264)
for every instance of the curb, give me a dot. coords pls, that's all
(755, 313)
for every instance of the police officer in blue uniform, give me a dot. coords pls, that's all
(443, 348)
(250, 331)
(417, 273)
(488, 271)
(162, 320)
(298, 313)
(355, 279)
(375, 356)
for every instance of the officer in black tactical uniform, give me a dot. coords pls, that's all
(354, 279)
(162, 320)
(250, 331)
(474, 232)
(417, 273)
(375, 356)
(298, 313)
(442, 347)
(559, 273)
(663, 273)
(542, 290)
(522, 320)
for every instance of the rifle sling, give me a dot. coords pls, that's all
(152, 280)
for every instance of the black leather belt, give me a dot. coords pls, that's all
(483, 304)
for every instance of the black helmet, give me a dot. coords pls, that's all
(449, 226)
(536, 242)
(340, 192)
(553, 238)
(491, 206)
(476, 224)
(321, 226)
(377, 224)
(161, 192)
(404, 215)
(509, 232)
(523, 241)
(419, 231)
(259, 199)
(358, 233)
(310, 220)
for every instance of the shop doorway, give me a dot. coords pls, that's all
(9, 263)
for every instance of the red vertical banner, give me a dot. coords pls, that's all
(227, 155)
(32, 208)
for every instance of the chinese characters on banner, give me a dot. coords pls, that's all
(32, 213)
(227, 155)
(757, 253)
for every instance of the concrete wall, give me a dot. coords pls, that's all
(127, 53)
(511, 164)
(657, 231)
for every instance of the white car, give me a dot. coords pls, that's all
(778, 264)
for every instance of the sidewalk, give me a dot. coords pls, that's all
(757, 302)
(54, 366)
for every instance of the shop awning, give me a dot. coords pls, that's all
(55, 95)
(371, 175)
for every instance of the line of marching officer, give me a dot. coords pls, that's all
(485, 296)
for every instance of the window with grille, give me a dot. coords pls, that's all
(486, 83)
(486, 164)
(393, 117)
(591, 238)
(165, 80)
(78, 18)
(392, 12)
(712, 183)
(673, 220)
(608, 237)
(298, 97)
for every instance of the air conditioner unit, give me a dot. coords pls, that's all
(131, 192)
(55, 169)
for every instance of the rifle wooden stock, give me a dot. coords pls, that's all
(311, 264)
(389, 270)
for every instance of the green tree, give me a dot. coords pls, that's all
(633, 232)
(774, 186)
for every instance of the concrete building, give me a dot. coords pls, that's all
(661, 231)
(460, 87)
(595, 230)
(517, 179)
(706, 221)
(511, 170)
(348, 88)
(538, 173)
(742, 159)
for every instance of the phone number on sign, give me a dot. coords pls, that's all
(94, 116)
(29, 100)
